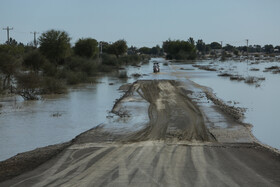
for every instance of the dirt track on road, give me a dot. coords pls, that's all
(175, 148)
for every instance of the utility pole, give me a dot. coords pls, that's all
(247, 41)
(35, 41)
(8, 33)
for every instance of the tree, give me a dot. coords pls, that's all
(145, 50)
(86, 47)
(155, 50)
(34, 60)
(8, 66)
(28, 85)
(215, 45)
(180, 50)
(200, 46)
(229, 48)
(118, 48)
(55, 45)
(268, 48)
(191, 40)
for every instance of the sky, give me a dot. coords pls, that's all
(145, 22)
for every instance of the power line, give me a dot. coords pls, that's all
(8, 33)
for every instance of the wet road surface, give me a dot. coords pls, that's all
(176, 148)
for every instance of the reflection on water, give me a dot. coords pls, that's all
(25, 125)
(262, 103)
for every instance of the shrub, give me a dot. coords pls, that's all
(28, 85)
(51, 85)
(75, 77)
(86, 47)
(49, 69)
(109, 60)
(87, 66)
(122, 74)
(34, 60)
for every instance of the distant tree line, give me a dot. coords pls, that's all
(30, 71)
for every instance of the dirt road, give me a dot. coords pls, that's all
(177, 147)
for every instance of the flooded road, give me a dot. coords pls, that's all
(260, 101)
(28, 125)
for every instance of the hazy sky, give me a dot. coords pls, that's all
(146, 22)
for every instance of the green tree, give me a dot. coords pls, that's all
(200, 46)
(191, 40)
(118, 48)
(145, 50)
(179, 50)
(268, 48)
(86, 47)
(28, 85)
(34, 60)
(55, 45)
(215, 45)
(8, 66)
(155, 50)
(229, 48)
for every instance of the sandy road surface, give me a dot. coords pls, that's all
(175, 148)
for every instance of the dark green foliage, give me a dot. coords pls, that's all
(86, 47)
(34, 60)
(200, 46)
(76, 77)
(55, 45)
(49, 69)
(51, 85)
(215, 45)
(8, 67)
(76, 64)
(15, 51)
(118, 48)
(145, 50)
(229, 48)
(268, 48)
(179, 50)
(110, 60)
(28, 85)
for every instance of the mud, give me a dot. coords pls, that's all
(177, 147)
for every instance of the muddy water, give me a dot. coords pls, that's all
(261, 102)
(25, 125)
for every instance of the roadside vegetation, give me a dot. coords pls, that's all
(30, 71)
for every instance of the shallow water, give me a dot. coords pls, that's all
(261, 102)
(26, 125)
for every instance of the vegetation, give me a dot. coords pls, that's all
(86, 48)
(55, 45)
(31, 72)
(179, 50)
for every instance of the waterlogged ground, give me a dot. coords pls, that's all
(25, 125)
(261, 99)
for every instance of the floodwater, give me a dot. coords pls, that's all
(260, 100)
(26, 125)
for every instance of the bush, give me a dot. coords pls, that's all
(110, 60)
(49, 69)
(86, 47)
(51, 85)
(28, 85)
(75, 77)
(87, 66)
(34, 60)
